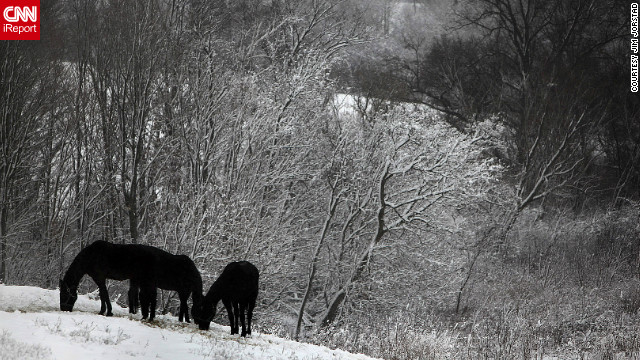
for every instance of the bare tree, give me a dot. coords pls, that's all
(535, 65)
(27, 93)
(387, 183)
(124, 71)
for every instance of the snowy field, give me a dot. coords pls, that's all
(33, 327)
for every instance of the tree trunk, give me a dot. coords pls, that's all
(332, 310)
(333, 203)
(3, 239)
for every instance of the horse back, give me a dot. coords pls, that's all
(241, 278)
(119, 262)
(175, 272)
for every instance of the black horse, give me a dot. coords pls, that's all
(103, 260)
(175, 273)
(237, 287)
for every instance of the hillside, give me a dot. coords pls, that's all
(33, 327)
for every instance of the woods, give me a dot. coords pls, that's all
(395, 168)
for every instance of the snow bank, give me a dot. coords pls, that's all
(34, 299)
(33, 327)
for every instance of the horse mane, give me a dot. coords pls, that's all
(214, 294)
(76, 271)
(195, 279)
(196, 289)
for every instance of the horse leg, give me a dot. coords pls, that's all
(104, 297)
(252, 304)
(184, 308)
(101, 285)
(236, 311)
(181, 311)
(153, 294)
(133, 297)
(243, 307)
(103, 304)
(227, 305)
(144, 303)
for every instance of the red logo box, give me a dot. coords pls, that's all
(20, 20)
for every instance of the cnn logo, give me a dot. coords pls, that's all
(20, 20)
(15, 13)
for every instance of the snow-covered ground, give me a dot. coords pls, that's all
(33, 327)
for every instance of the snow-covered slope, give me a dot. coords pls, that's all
(33, 327)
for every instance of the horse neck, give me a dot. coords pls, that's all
(214, 294)
(196, 292)
(198, 298)
(75, 273)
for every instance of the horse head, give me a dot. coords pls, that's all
(203, 314)
(68, 296)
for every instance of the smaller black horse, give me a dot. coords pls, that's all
(175, 273)
(237, 287)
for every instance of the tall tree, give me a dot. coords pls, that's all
(28, 79)
(125, 67)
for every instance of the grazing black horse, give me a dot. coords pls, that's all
(237, 287)
(175, 273)
(103, 260)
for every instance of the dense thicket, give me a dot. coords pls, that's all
(211, 129)
(554, 73)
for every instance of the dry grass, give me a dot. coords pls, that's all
(567, 291)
